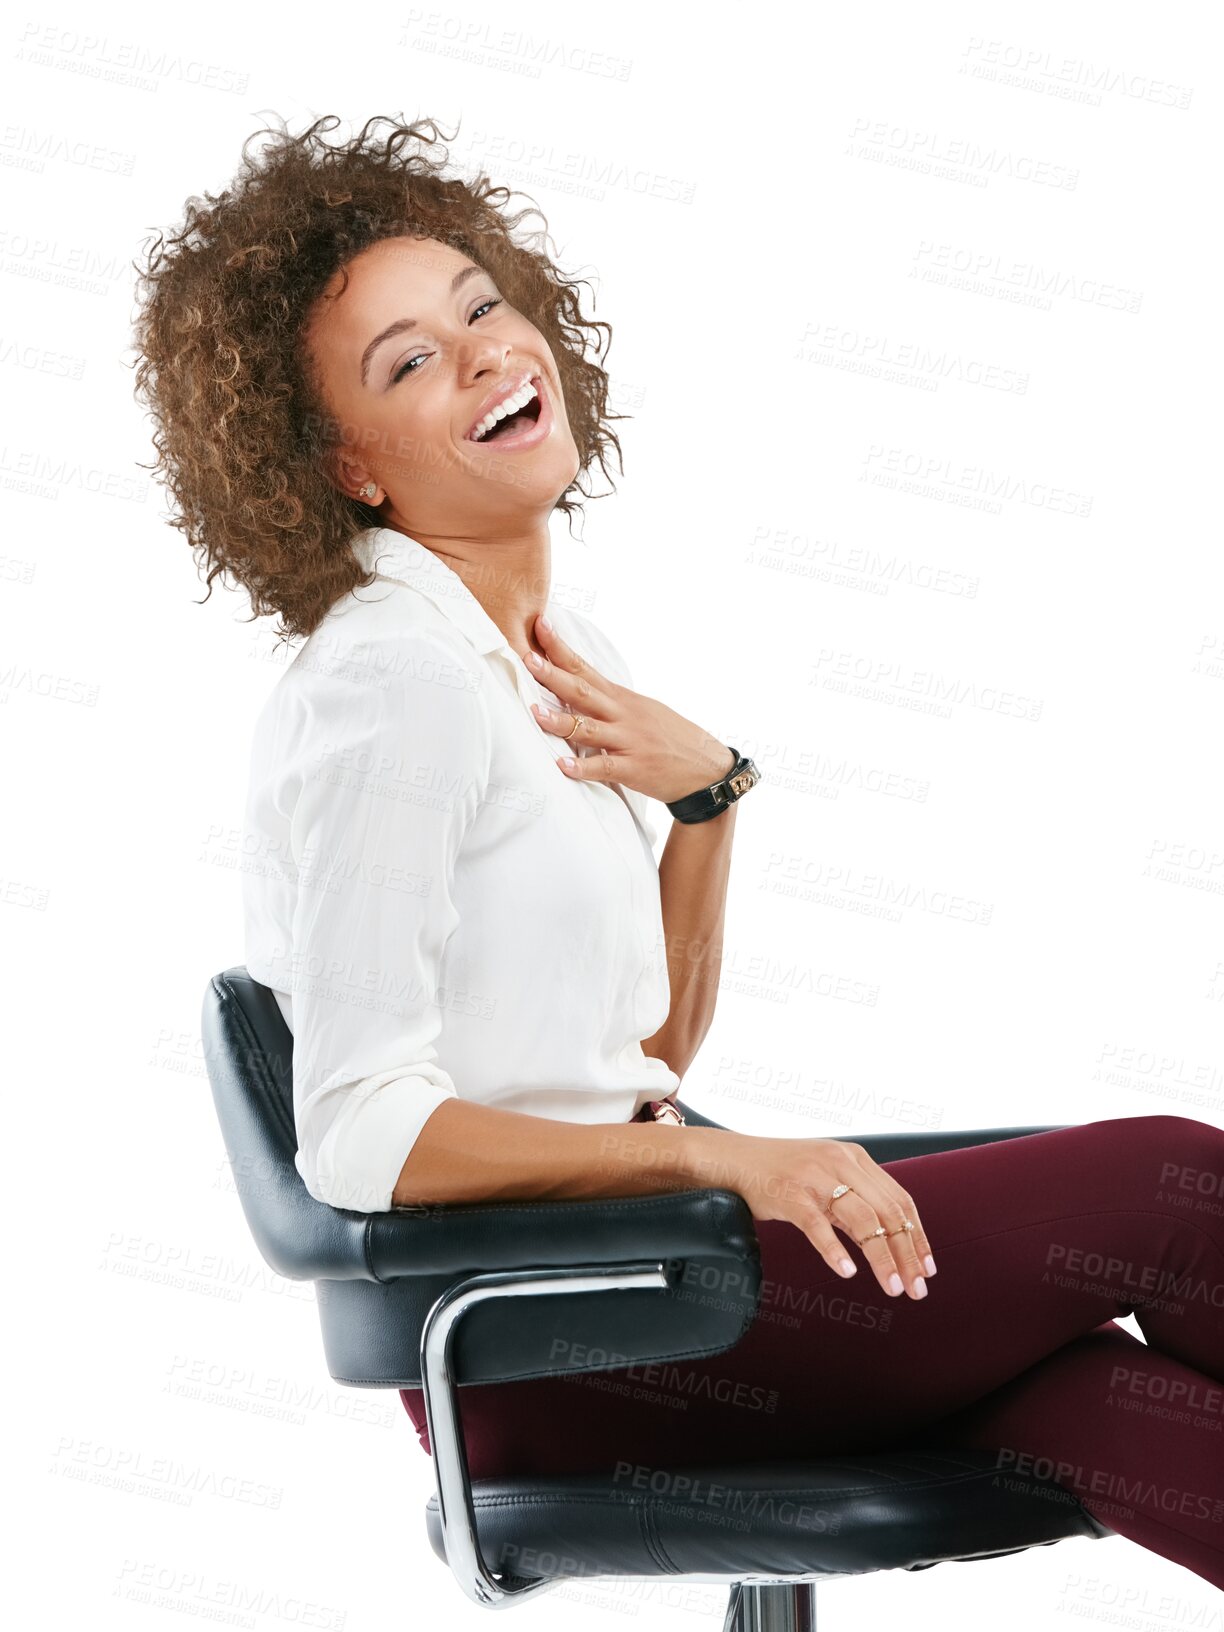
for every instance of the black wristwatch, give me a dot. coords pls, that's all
(712, 801)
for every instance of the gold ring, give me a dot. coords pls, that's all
(578, 720)
(900, 1230)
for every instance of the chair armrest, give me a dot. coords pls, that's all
(458, 1238)
(705, 1241)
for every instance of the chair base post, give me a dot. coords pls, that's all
(773, 1606)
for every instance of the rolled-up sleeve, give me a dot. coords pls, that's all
(392, 765)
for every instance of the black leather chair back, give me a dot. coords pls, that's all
(378, 1275)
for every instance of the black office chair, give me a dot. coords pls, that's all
(443, 1297)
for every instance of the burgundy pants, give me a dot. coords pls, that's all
(1038, 1241)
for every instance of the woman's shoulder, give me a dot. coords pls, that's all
(386, 656)
(375, 638)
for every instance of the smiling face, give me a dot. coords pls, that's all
(414, 355)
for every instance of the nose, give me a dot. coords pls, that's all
(479, 355)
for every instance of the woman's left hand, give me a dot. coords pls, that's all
(642, 743)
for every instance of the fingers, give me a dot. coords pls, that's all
(587, 733)
(917, 1237)
(600, 767)
(816, 1226)
(567, 674)
(897, 1257)
(889, 1255)
(887, 1263)
(559, 653)
(588, 696)
(559, 722)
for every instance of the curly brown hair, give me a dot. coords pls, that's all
(242, 434)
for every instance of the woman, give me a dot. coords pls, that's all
(370, 396)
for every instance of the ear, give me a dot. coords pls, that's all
(350, 478)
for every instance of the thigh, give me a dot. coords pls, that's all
(833, 1365)
(1038, 1240)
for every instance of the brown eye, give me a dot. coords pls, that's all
(407, 368)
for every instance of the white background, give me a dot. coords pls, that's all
(919, 508)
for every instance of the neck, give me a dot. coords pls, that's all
(509, 575)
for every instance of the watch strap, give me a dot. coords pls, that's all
(714, 799)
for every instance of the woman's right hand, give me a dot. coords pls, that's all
(643, 744)
(793, 1179)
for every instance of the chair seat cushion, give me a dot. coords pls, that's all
(835, 1516)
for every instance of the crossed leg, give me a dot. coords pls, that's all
(1040, 1242)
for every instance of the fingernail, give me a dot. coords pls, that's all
(920, 1287)
(545, 621)
(895, 1285)
(568, 762)
(534, 659)
(848, 1266)
(928, 1263)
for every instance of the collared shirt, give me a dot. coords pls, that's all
(438, 908)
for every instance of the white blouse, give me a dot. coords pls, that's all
(438, 908)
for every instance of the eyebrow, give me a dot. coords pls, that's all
(402, 324)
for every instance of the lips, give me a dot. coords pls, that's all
(508, 388)
(528, 433)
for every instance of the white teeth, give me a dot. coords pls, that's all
(509, 406)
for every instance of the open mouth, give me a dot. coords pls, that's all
(528, 414)
(511, 417)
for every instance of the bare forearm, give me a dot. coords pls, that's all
(472, 1152)
(693, 873)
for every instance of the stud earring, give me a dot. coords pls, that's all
(369, 490)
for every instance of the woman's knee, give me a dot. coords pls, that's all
(1188, 1156)
(1175, 1154)
(1160, 1155)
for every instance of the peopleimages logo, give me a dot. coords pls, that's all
(692, 1490)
